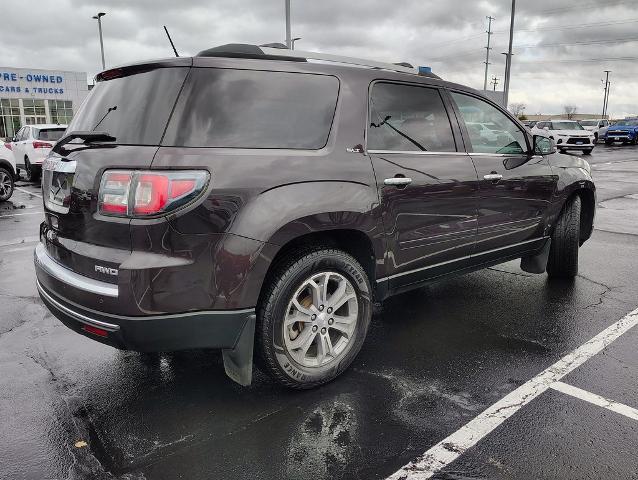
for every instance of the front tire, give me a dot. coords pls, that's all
(6, 184)
(587, 151)
(563, 253)
(313, 317)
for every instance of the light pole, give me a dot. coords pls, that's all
(293, 42)
(98, 17)
(288, 39)
(508, 64)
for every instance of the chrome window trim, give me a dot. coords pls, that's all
(417, 152)
(77, 316)
(397, 275)
(63, 274)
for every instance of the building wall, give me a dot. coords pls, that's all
(34, 96)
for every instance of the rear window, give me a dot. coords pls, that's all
(134, 109)
(52, 134)
(253, 109)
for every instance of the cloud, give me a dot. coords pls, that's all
(557, 43)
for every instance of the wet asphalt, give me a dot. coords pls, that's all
(433, 360)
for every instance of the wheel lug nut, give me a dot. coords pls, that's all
(321, 308)
(330, 310)
(315, 328)
(313, 317)
(323, 330)
(331, 321)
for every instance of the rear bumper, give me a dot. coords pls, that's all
(149, 333)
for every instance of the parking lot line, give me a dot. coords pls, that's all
(451, 447)
(28, 192)
(18, 241)
(20, 214)
(576, 392)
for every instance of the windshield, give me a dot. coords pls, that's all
(589, 123)
(629, 123)
(566, 126)
(52, 134)
(134, 109)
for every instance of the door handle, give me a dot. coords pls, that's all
(398, 181)
(493, 177)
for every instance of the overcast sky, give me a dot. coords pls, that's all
(561, 49)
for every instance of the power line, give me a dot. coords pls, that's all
(581, 6)
(585, 42)
(579, 60)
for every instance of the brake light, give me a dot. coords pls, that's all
(8, 145)
(38, 144)
(134, 193)
(95, 330)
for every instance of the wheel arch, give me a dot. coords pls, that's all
(7, 164)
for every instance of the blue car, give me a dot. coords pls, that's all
(625, 131)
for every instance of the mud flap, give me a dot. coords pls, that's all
(537, 263)
(238, 361)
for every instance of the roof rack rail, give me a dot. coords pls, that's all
(278, 51)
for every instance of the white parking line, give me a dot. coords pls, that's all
(27, 191)
(576, 392)
(20, 214)
(450, 448)
(17, 241)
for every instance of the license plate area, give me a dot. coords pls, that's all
(57, 180)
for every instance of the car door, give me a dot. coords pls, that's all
(427, 186)
(515, 186)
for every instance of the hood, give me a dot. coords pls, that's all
(624, 128)
(591, 128)
(574, 133)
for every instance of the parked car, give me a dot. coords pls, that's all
(7, 172)
(568, 135)
(625, 131)
(597, 126)
(265, 201)
(32, 144)
(530, 123)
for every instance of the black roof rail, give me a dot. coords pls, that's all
(245, 50)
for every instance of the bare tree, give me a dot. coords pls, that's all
(570, 111)
(517, 109)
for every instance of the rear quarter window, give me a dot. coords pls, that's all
(253, 109)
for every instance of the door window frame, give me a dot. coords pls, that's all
(466, 134)
(454, 126)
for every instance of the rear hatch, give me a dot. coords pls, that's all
(133, 105)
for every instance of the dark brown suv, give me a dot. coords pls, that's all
(250, 198)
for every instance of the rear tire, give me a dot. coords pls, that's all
(6, 184)
(563, 253)
(297, 353)
(30, 174)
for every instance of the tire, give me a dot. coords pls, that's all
(563, 253)
(607, 142)
(6, 184)
(30, 174)
(595, 137)
(276, 352)
(587, 151)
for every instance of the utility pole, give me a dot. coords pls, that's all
(488, 48)
(288, 37)
(508, 63)
(606, 94)
(98, 17)
(494, 81)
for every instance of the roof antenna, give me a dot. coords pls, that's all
(171, 40)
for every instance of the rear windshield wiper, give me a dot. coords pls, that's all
(88, 137)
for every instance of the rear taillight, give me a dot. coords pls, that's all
(134, 193)
(8, 145)
(38, 144)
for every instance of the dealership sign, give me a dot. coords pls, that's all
(31, 83)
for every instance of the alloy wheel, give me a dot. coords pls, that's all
(6, 187)
(321, 319)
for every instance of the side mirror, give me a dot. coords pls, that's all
(543, 145)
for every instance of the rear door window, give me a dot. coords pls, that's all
(408, 118)
(253, 109)
(51, 134)
(134, 109)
